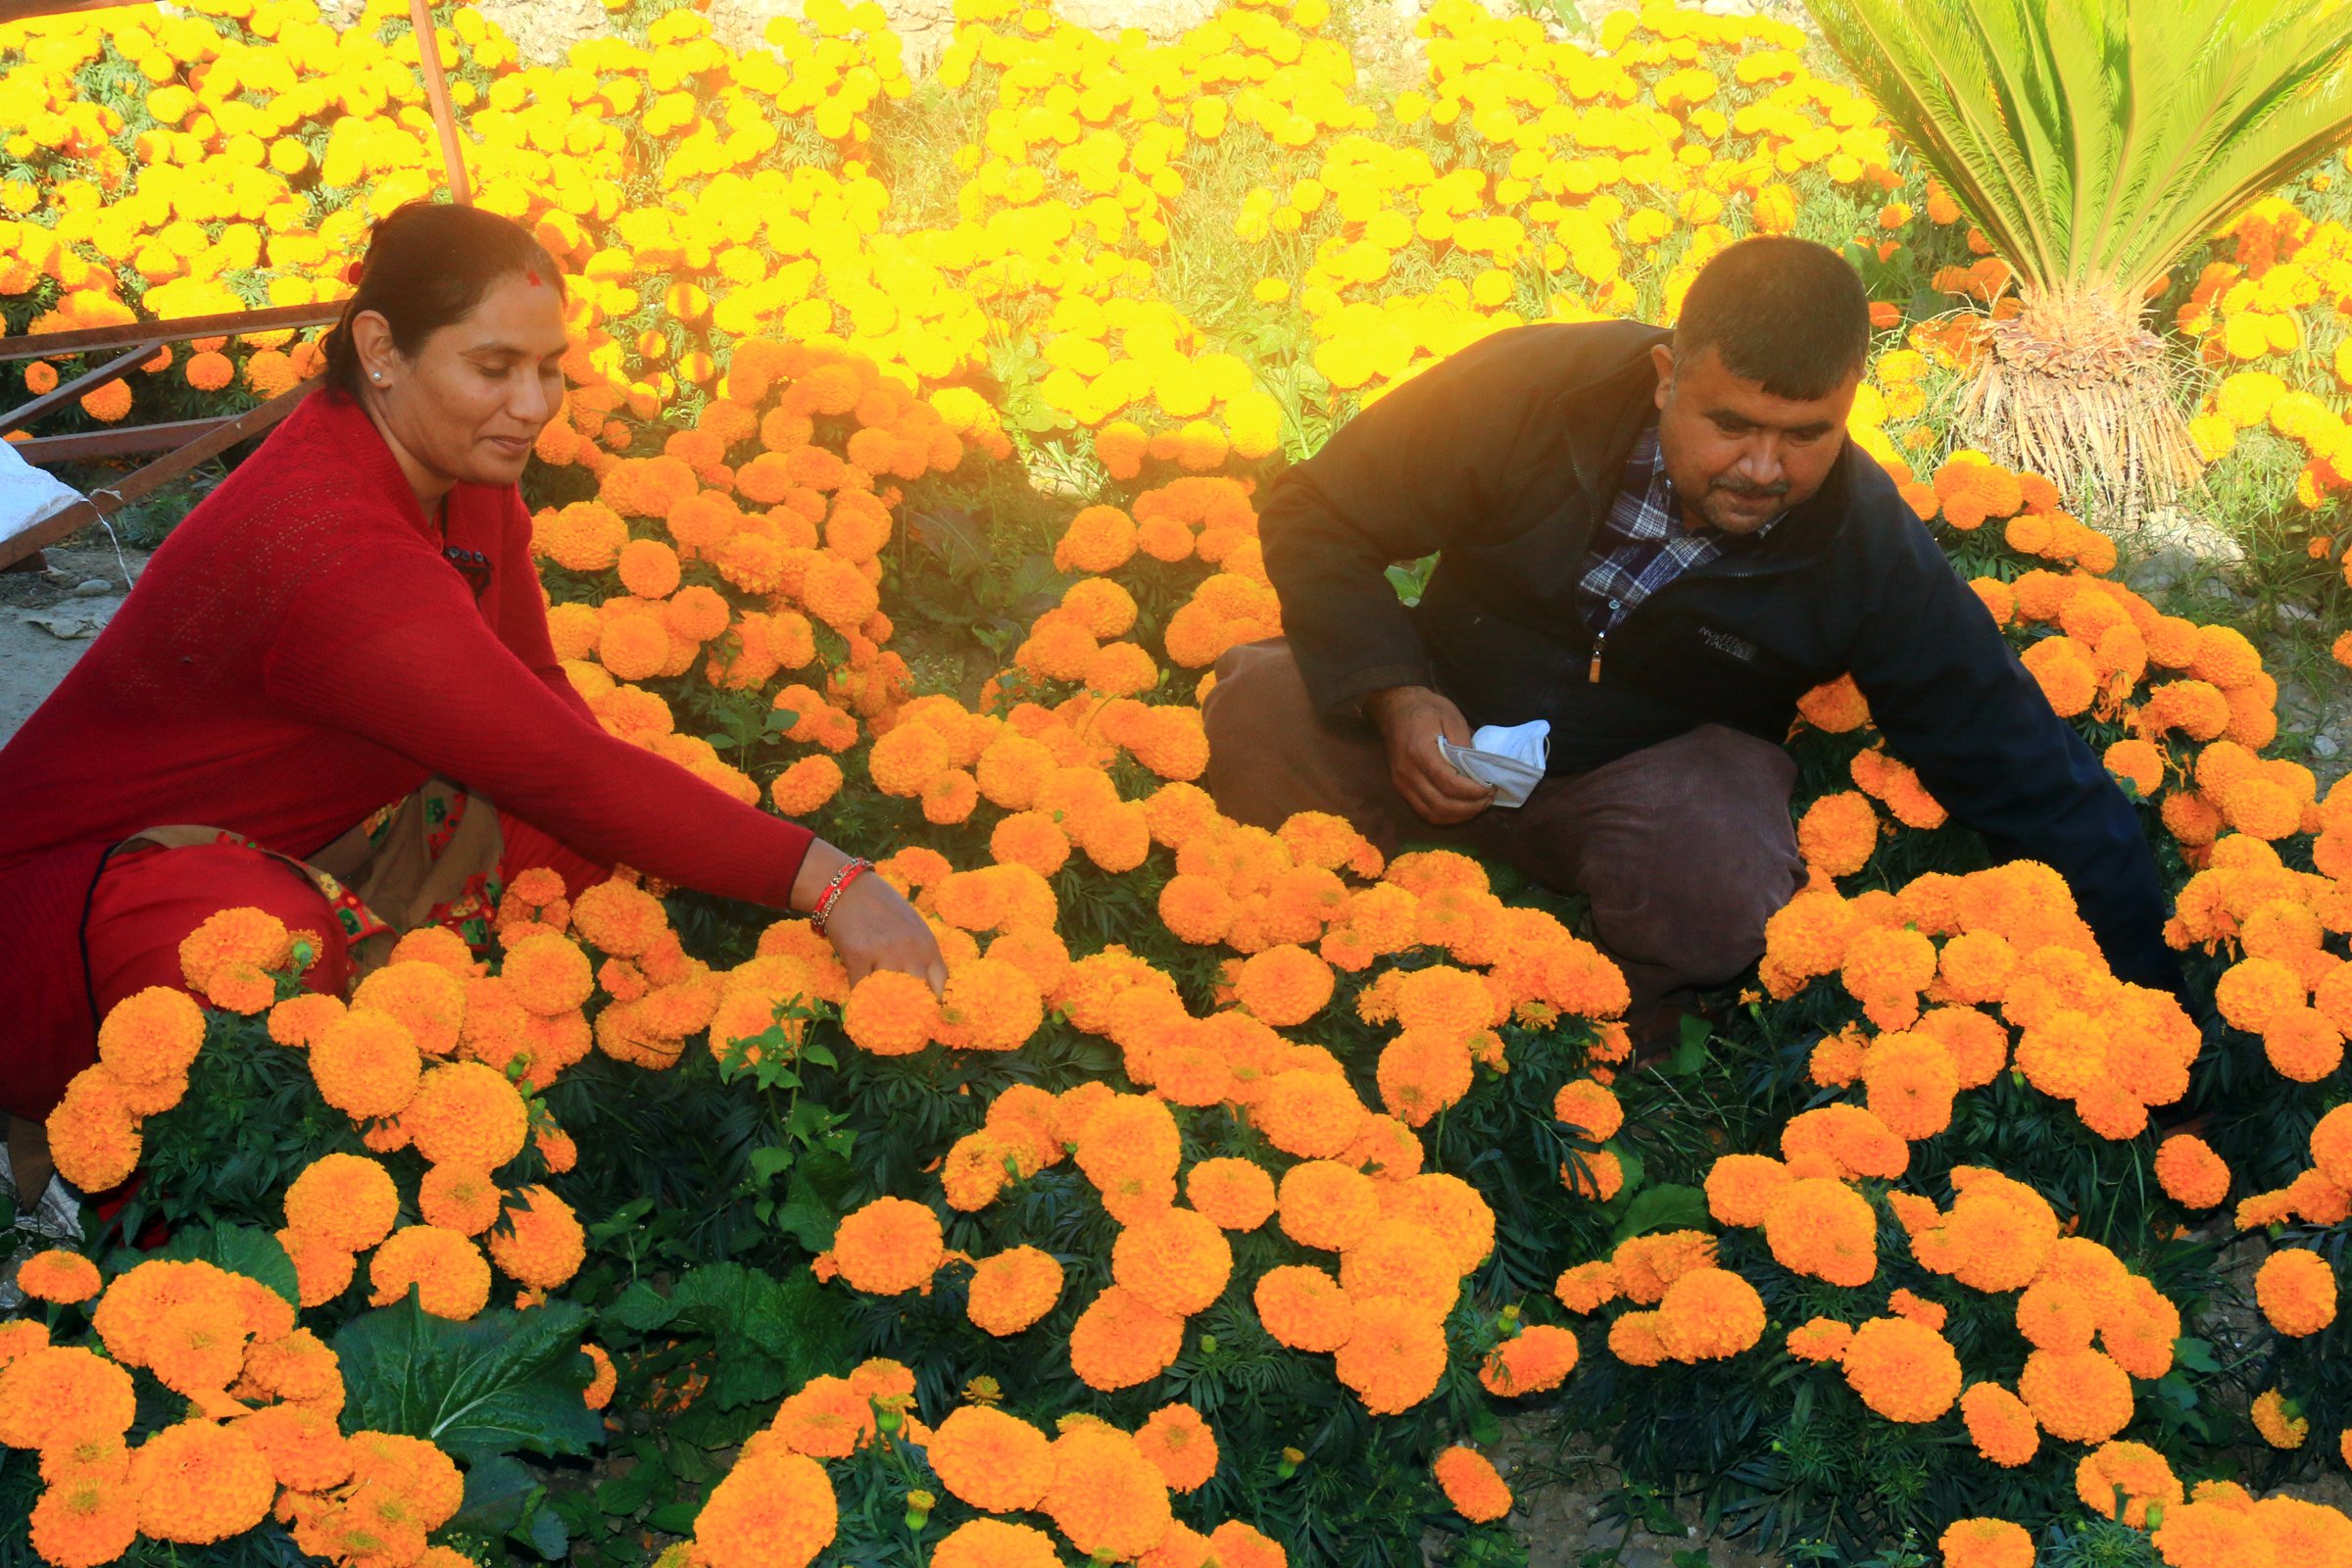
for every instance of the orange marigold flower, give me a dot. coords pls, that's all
(1839, 832)
(1741, 1187)
(1825, 1230)
(152, 1036)
(1589, 1108)
(55, 1275)
(1820, 1339)
(1303, 1308)
(2191, 1174)
(1394, 1357)
(1538, 1358)
(1985, 1544)
(774, 1509)
(1176, 1260)
(1106, 1497)
(602, 1380)
(890, 1015)
(548, 974)
(826, 1419)
(86, 1518)
(2296, 1289)
(2077, 1395)
(1999, 1424)
(1180, 1444)
(1284, 985)
(1316, 1115)
(1586, 1287)
(321, 1270)
(467, 1113)
(199, 1483)
(1325, 1204)
(366, 1064)
(889, 1246)
(297, 1021)
(543, 1244)
(2281, 1422)
(991, 1459)
(346, 1201)
(995, 1004)
(227, 957)
(1122, 1340)
(1709, 1315)
(1472, 1485)
(54, 1392)
(1013, 1289)
(450, 1273)
(995, 1544)
(2133, 1470)
(1903, 1370)
(425, 996)
(1238, 1195)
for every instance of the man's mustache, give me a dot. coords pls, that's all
(1756, 492)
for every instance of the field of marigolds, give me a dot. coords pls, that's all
(1244, 1189)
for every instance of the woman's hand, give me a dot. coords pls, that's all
(872, 926)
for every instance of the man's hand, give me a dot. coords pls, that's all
(1410, 719)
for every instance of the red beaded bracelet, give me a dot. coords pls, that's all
(849, 873)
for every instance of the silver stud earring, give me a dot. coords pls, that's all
(377, 376)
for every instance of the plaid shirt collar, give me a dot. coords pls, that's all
(1642, 545)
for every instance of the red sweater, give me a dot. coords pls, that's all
(298, 653)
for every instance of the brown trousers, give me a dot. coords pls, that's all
(1682, 849)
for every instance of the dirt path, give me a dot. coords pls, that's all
(48, 618)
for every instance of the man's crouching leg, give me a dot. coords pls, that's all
(1271, 756)
(1684, 850)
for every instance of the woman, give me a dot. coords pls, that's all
(349, 623)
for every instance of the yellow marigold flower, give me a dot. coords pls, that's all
(1013, 1289)
(55, 1275)
(199, 1483)
(1303, 1308)
(991, 1459)
(450, 1273)
(889, 1246)
(1472, 1485)
(346, 1201)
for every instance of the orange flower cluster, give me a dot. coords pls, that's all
(260, 1433)
(1933, 962)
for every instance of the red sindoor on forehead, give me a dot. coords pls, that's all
(531, 277)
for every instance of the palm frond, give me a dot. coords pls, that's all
(2095, 141)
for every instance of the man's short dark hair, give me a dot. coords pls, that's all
(1785, 311)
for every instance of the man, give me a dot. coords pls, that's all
(1657, 542)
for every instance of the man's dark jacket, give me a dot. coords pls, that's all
(1506, 455)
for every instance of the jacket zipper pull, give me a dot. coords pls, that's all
(1599, 642)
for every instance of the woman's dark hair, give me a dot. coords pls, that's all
(1785, 311)
(429, 264)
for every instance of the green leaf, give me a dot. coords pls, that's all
(2195, 1354)
(497, 1490)
(1662, 1208)
(500, 1382)
(674, 1518)
(764, 1333)
(240, 1250)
